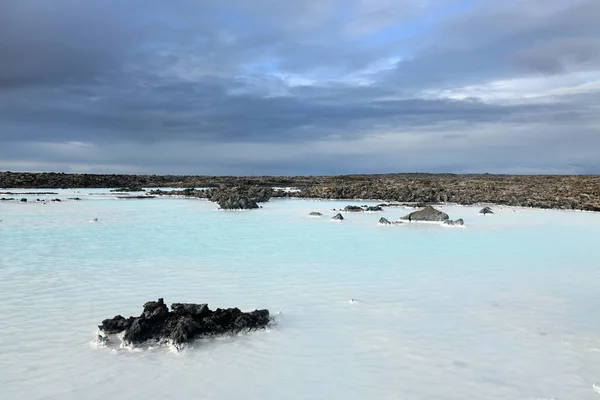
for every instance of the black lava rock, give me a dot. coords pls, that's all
(184, 323)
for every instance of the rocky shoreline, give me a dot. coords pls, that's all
(573, 192)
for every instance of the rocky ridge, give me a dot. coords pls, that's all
(578, 192)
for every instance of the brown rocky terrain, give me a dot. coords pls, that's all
(581, 192)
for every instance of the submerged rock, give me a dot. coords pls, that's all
(23, 200)
(486, 210)
(427, 214)
(338, 217)
(184, 323)
(129, 189)
(136, 197)
(353, 209)
(458, 222)
(102, 340)
(384, 221)
(315, 214)
(374, 208)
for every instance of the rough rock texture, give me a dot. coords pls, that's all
(374, 208)
(338, 217)
(427, 214)
(242, 197)
(353, 209)
(384, 221)
(581, 192)
(315, 214)
(486, 210)
(184, 323)
(458, 222)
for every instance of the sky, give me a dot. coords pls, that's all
(305, 87)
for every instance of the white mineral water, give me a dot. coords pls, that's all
(506, 308)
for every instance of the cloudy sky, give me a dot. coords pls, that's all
(300, 87)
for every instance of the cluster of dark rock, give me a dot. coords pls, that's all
(228, 198)
(240, 197)
(351, 208)
(427, 214)
(24, 199)
(183, 324)
(486, 210)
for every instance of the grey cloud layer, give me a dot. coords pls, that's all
(188, 76)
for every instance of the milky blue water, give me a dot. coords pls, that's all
(506, 308)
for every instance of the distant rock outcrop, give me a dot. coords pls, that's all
(374, 208)
(315, 214)
(486, 210)
(183, 324)
(338, 217)
(427, 214)
(240, 198)
(353, 209)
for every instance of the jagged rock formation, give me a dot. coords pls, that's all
(429, 214)
(183, 324)
(486, 210)
(338, 217)
(384, 221)
(239, 198)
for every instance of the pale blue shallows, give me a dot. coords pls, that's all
(507, 308)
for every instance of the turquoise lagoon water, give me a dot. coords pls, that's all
(506, 308)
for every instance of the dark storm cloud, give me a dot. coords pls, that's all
(52, 42)
(203, 112)
(189, 74)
